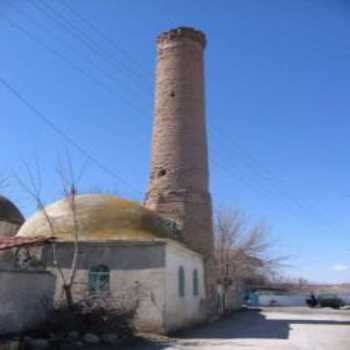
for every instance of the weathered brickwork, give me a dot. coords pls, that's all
(178, 186)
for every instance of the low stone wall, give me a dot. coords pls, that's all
(26, 298)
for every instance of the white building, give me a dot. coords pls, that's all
(125, 250)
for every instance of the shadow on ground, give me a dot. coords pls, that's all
(251, 323)
(245, 324)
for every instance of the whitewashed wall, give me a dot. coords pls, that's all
(161, 308)
(147, 285)
(181, 312)
(136, 273)
(282, 300)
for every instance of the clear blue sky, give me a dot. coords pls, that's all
(278, 83)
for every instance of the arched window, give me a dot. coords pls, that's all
(181, 281)
(195, 283)
(99, 277)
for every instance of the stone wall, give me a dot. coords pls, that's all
(25, 299)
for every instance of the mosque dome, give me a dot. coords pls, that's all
(10, 217)
(99, 217)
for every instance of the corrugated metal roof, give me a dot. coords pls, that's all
(13, 242)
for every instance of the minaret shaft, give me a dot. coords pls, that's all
(178, 186)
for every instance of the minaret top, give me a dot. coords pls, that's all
(180, 33)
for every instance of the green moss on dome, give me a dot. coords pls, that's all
(100, 217)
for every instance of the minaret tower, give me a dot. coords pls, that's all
(178, 186)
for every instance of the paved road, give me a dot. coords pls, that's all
(269, 328)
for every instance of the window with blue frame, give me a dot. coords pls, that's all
(99, 279)
(195, 283)
(181, 279)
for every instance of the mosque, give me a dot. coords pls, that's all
(163, 248)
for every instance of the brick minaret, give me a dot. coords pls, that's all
(178, 186)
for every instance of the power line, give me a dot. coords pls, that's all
(67, 22)
(229, 171)
(54, 52)
(104, 37)
(263, 178)
(84, 20)
(68, 61)
(72, 64)
(66, 137)
(75, 31)
(91, 44)
(80, 70)
(268, 178)
(111, 76)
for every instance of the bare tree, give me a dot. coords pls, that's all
(34, 189)
(295, 285)
(3, 182)
(242, 251)
(70, 192)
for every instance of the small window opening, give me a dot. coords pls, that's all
(99, 278)
(195, 283)
(172, 94)
(161, 172)
(181, 281)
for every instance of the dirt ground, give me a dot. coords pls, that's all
(287, 328)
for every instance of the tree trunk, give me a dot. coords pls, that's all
(68, 293)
